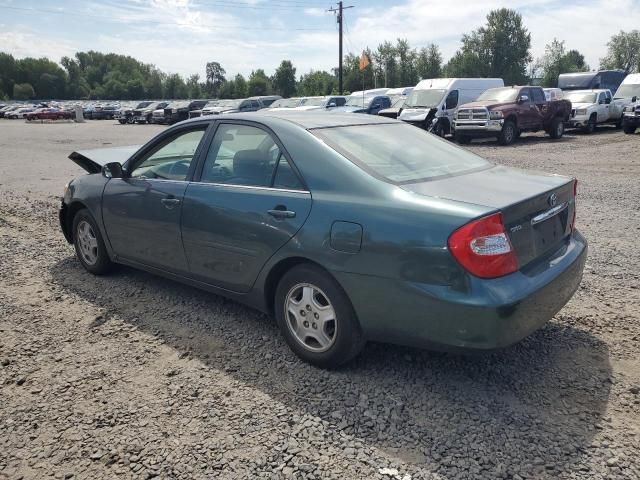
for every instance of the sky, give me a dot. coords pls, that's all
(181, 36)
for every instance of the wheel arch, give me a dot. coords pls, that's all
(70, 212)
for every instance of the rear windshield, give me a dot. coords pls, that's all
(399, 153)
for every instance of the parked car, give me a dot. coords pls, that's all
(233, 106)
(286, 103)
(433, 102)
(127, 114)
(631, 117)
(395, 109)
(198, 112)
(4, 113)
(604, 79)
(104, 112)
(413, 241)
(593, 107)
(369, 104)
(265, 100)
(322, 103)
(506, 112)
(50, 114)
(20, 113)
(158, 117)
(179, 111)
(143, 115)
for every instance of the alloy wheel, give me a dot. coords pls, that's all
(310, 317)
(87, 242)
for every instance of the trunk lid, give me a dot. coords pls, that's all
(537, 207)
(93, 160)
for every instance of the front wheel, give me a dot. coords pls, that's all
(316, 317)
(508, 134)
(89, 245)
(557, 128)
(590, 127)
(628, 128)
(438, 129)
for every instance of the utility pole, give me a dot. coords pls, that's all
(339, 11)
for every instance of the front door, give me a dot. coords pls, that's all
(141, 212)
(603, 108)
(249, 202)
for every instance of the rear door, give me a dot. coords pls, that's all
(142, 212)
(248, 202)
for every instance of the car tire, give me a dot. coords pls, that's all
(508, 134)
(88, 243)
(462, 139)
(557, 128)
(438, 129)
(590, 127)
(130, 121)
(629, 129)
(327, 344)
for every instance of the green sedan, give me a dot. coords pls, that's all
(345, 228)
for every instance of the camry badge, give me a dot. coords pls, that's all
(553, 199)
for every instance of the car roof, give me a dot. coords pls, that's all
(306, 120)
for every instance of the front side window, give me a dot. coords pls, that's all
(538, 95)
(452, 100)
(172, 160)
(602, 98)
(399, 153)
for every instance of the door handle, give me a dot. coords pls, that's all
(281, 212)
(170, 202)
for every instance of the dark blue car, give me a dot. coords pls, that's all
(364, 104)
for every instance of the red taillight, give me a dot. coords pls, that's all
(483, 248)
(575, 194)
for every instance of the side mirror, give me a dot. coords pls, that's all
(112, 170)
(523, 98)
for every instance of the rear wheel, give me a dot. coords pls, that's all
(628, 128)
(130, 121)
(316, 317)
(557, 128)
(89, 245)
(590, 127)
(508, 134)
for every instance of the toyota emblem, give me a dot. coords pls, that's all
(553, 200)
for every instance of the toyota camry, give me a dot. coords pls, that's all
(344, 228)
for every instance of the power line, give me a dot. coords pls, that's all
(114, 20)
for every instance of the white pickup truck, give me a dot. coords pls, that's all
(593, 107)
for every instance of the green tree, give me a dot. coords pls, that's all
(623, 52)
(214, 77)
(228, 89)
(317, 83)
(429, 62)
(353, 79)
(174, 87)
(284, 79)
(7, 72)
(556, 61)
(500, 49)
(23, 91)
(259, 83)
(407, 68)
(386, 65)
(239, 86)
(194, 87)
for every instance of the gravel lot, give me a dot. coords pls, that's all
(134, 376)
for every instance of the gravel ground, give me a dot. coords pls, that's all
(134, 376)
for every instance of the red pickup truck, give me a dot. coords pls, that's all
(506, 112)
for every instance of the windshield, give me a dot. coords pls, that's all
(286, 103)
(499, 95)
(425, 98)
(358, 101)
(399, 153)
(398, 102)
(628, 91)
(314, 101)
(589, 97)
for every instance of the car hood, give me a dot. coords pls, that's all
(488, 104)
(501, 186)
(417, 114)
(93, 160)
(583, 105)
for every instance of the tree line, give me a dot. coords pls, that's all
(501, 48)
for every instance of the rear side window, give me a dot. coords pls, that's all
(399, 153)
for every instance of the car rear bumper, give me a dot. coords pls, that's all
(489, 314)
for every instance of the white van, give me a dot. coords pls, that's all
(367, 93)
(433, 102)
(399, 91)
(629, 88)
